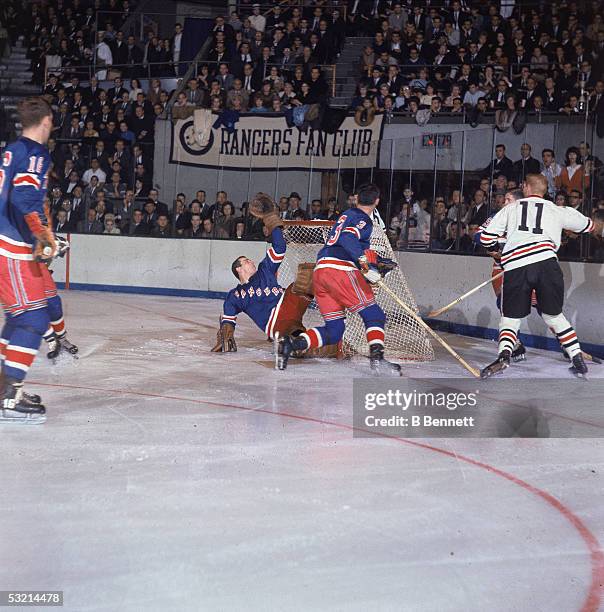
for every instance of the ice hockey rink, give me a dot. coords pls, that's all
(169, 478)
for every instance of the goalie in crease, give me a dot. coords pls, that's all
(258, 294)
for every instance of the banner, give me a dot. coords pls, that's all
(267, 143)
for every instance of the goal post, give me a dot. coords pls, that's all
(405, 338)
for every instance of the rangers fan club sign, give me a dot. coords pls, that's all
(268, 143)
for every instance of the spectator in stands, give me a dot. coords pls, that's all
(501, 164)
(573, 174)
(526, 164)
(109, 223)
(91, 225)
(138, 227)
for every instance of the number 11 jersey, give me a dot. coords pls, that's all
(533, 230)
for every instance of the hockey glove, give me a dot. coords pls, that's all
(225, 339)
(385, 265)
(369, 270)
(263, 207)
(46, 247)
(62, 246)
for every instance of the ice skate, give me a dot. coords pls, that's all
(283, 351)
(519, 352)
(379, 365)
(501, 363)
(17, 409)
(57, 343)
(578, 367)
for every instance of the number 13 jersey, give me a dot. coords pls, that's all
(533, 230)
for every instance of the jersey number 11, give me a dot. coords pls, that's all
(523, 227)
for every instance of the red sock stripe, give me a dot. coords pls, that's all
(375, 335)
(58, 326)
(507, 335)
(568, 337)
(314, 338)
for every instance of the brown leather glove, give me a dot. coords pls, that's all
(225, 339)
(263, 207)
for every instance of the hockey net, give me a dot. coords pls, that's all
(405, 339)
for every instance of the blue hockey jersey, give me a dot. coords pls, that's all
(23, 183)
(260, 298)
(347, 241)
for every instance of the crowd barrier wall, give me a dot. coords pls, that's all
(201, 268)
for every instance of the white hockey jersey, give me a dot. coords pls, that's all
(533, 229)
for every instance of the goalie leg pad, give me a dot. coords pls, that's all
(303, 283)
(291, 312)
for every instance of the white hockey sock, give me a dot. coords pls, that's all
(508, 333)
(565, 333)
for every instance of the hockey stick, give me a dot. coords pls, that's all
(430, 331)
(435, 313)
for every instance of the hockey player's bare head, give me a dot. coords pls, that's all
(534, 185)
(513, 195)
(243, 269)
(35, 116)
(368, 197)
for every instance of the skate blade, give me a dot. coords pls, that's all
(37, 419)
(276, 350)
(579, 375)
(493, 371)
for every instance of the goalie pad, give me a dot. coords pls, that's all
(225, 339)
(303, 283)
(263, 207)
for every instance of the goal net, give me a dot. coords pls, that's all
(405, 339)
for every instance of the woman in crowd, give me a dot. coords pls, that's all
(573, 175)
(135, 89)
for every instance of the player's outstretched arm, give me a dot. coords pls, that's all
(264, 207)
(493, 229)
(225, 336)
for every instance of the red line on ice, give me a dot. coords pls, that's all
(594, 594)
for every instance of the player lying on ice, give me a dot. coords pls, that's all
(533, 228)
(259, 294)
(346, 267)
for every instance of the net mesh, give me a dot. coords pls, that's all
(405, 339)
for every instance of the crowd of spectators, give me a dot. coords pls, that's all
(449, 222)
(267, 60)
(475, 57)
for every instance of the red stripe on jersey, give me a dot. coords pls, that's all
(15, 249)
(26, 179)
(534, 247)
(275, 257)
(353, 230)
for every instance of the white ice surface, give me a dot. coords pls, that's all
(170, 478)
